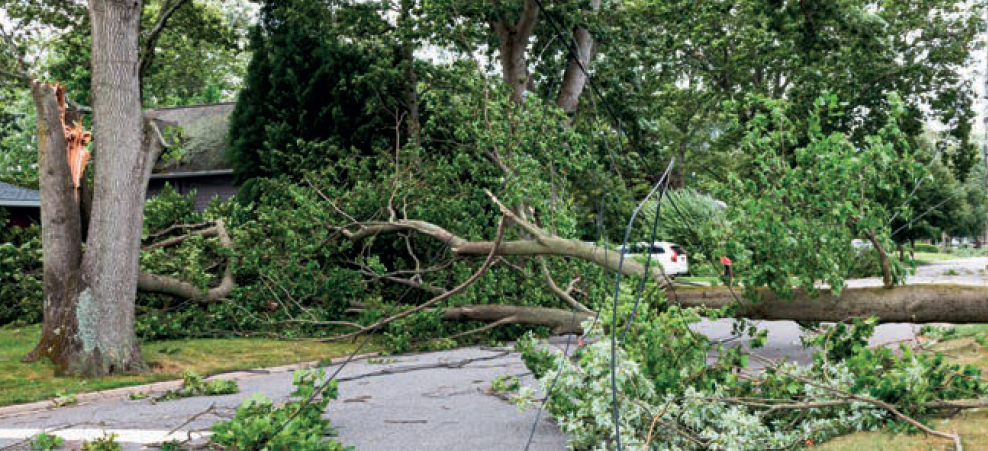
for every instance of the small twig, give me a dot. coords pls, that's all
(331, 203)
(427, 366)
(564, 295)
(193, 418)
(319, 323)
(181, 226)
(205, 233)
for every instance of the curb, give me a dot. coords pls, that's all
(161, 387)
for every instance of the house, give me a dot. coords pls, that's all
(23, 206)
(197, 160)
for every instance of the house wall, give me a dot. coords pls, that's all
(23, 216)
(206, 187)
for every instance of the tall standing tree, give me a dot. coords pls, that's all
(90, 290)
(321, 83)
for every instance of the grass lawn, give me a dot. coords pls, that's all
(971, 425)
(709, 279)
(930, 257)
(27, 382)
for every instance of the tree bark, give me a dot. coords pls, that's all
(561, 321)
(883, 259)
(60, 228)
(89, 322)
(105, 303)
(411, 78)
(575, 79)
(512, 46)
(925, 303)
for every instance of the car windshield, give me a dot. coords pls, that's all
(644, 249)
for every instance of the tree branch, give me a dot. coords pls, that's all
(562, 321)
(883, 258)
(882, 405)
(169, 285)
(205, 233)
(147, 53)
(459, 289)
(564, 295)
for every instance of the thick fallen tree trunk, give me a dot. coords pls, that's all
(561, 321)
(927, 303)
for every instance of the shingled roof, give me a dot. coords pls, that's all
(204, 138)
(15, 196)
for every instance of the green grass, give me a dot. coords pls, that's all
(930, 257)
(970, 330)
(28, 382)
(971, 425)
(710, 279)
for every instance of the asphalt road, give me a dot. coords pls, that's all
(432, 401)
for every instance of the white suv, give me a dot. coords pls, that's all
(670, 256)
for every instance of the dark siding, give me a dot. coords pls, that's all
(22, 216)
(206, 188)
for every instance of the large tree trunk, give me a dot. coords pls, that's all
(512, 47)
(123, 165)
(411, 78)
(89, 313)
(575, 79)
(925, 303)
(60, 229)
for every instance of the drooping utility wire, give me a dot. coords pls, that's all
(664, 180)
(615, 407)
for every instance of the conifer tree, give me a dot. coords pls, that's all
(315, 91)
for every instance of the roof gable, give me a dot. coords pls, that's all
(15, 196)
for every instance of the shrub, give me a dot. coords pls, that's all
(21, 271)
(923, 247)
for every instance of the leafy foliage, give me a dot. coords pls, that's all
(20, 268)
(19, 160)
(671, 396)
(295, 425)
(45, 442)
(107, 442)
(811, 200)
(194, 385)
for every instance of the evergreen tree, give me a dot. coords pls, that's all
(315, 91)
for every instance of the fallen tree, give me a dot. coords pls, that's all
(925, 303)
